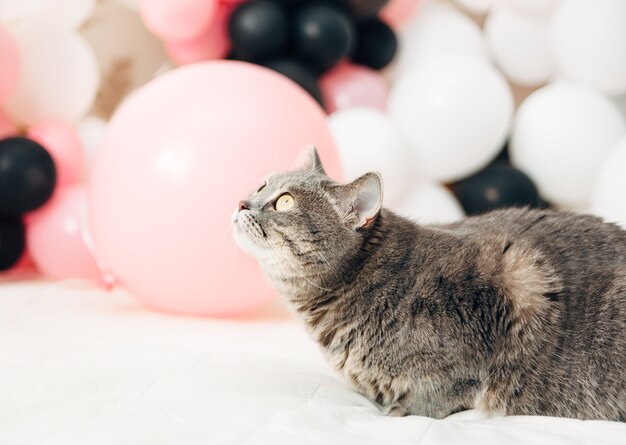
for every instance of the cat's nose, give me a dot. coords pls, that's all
(243, 205)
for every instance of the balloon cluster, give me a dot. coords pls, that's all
(303, 40)
(333, 48)
(27, 180)
(453, 122)
(41, 153)
(42, 203)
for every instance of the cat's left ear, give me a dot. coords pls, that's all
(360, 201)
(309, 160)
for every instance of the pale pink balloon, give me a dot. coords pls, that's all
(55, 240)
(398, 12)
(9, 64)
(63, 143)
(177, 20)
(7, 127)
(212, 43)
(176, 158)
(349, 85)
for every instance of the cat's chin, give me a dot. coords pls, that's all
(247, 245)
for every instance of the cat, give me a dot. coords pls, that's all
(514, 312)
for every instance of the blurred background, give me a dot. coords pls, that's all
(464, 106)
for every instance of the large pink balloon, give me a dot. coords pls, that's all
(7, 127)
(176, 20)
(176, 159)
(9, 65)
(62, 142)
(55, 238)
(349, 85)
(398, 12)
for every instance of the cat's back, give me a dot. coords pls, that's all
(568, 239)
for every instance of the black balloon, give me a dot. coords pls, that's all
(27, 176)
(503, 156)
(12, 242)
(322, 35)
(300, 74)
(362, 9)
(258, 30)
(376, 44)
(498, 186)
(288, 4)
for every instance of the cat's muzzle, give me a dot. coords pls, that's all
(245, 221)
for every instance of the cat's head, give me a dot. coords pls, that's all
(305, 221)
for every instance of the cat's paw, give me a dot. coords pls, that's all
(396, 410)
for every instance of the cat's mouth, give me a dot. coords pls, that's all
(249, 234)
(246, 221)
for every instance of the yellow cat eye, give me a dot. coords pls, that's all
(284, 202)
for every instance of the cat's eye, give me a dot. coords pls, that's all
(284, 202)
(261, 188)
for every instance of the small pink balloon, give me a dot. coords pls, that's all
(212, 43)
(398, 12)
(63, 143)
(9, 65)
(7, 127)
(176, 158)
(349, 85)
(54, 236)
(25, 263)
(177, 20)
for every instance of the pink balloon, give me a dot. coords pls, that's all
(9, 65)
(349, 85)
(7, 127)
(25, 263)
(212, 43)
(62, 142)
(398, 12)
(176, 159)
(54, 237)
(176, 20)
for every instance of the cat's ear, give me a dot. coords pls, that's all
(360, 200)
(309, 160)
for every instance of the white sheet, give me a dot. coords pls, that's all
(81, 366)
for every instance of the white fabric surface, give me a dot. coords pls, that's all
(81, 366)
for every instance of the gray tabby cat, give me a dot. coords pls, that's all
(513, 312)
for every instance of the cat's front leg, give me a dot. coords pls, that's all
(396, 410)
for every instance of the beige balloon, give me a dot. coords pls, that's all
(127, 53)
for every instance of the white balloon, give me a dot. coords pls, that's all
(430, 203)
(132, 4)
(609, 197)
(561, 135)
(90, 130)
(477, 6)
(590, 43)
(13, 10)
(620, 101)
(455, 112)
(368, 141)
(533, 6)
(66, 14)
(521, 45)
(58, 79)
(437, 31)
